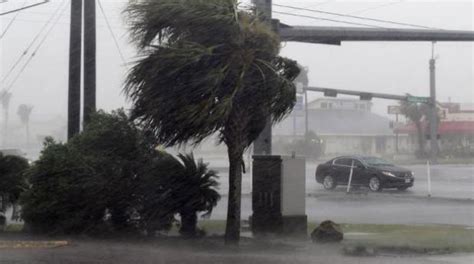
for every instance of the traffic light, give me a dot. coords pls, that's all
(365, 96)
(330, 93)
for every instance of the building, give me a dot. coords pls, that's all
(345, 126)
(455, 130)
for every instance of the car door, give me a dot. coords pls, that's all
(358, 174)
(342, 169)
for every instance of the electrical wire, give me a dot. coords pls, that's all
(32, 43)
(23, 8)
(37, 48)
(112, 32)
(11, 21)
(351, 16)
(326, 19)
(376, 7)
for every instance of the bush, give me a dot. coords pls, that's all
(111, 179)
(88, 184)
(12, 180)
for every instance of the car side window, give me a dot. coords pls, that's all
(343, 162)
(358, 163)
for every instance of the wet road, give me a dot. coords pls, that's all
(375, 209)
(451, 202)
(447, 181)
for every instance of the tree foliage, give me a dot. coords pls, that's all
(74, 184)
(110, 179)
(415, 112)
(12, 179)
(207, 67)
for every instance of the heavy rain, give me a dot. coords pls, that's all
(227, 131)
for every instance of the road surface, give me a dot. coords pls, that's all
(452, 200)
(447, 181)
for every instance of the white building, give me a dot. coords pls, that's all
(346, 126)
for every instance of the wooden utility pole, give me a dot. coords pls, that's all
(75, 49)
(89, 59)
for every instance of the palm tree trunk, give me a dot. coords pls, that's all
(232, 232)
(27, 133)
(188, 223)
(14, 216)
(5, 127)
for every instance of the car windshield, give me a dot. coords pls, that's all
(374, 161)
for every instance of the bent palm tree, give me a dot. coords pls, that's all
(208, 67)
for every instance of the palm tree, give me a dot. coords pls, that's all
(196, 192)
(5, 98)
(415, 113)
(208, 67)
(24, 112)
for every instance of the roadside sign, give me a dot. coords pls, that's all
(418, 99)
(299, 106)
(299, 88)
(394, 110)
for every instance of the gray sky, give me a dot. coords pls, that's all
(380, 67)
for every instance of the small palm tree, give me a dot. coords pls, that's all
(415, 113)
(196, 193)
(24, 112)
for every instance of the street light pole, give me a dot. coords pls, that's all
(263, 144)
(433, 110)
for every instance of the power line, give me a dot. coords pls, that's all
(112, 32)
(351, 16)
(377, 7)
(32, 43)
(23, 8)
(326, 19)
(11, 21)
(36, 49)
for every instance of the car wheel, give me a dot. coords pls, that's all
(404, 188)
(329, 183)
(374, 184)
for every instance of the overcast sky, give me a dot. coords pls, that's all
(379, 67)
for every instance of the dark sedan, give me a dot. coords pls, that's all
(372, 172)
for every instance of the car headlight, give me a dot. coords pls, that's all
(412, 174)
(387, 173)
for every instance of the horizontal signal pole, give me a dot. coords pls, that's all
(336, 35)
(363, 95)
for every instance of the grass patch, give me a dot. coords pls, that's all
(419, 238)
(14, 228)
